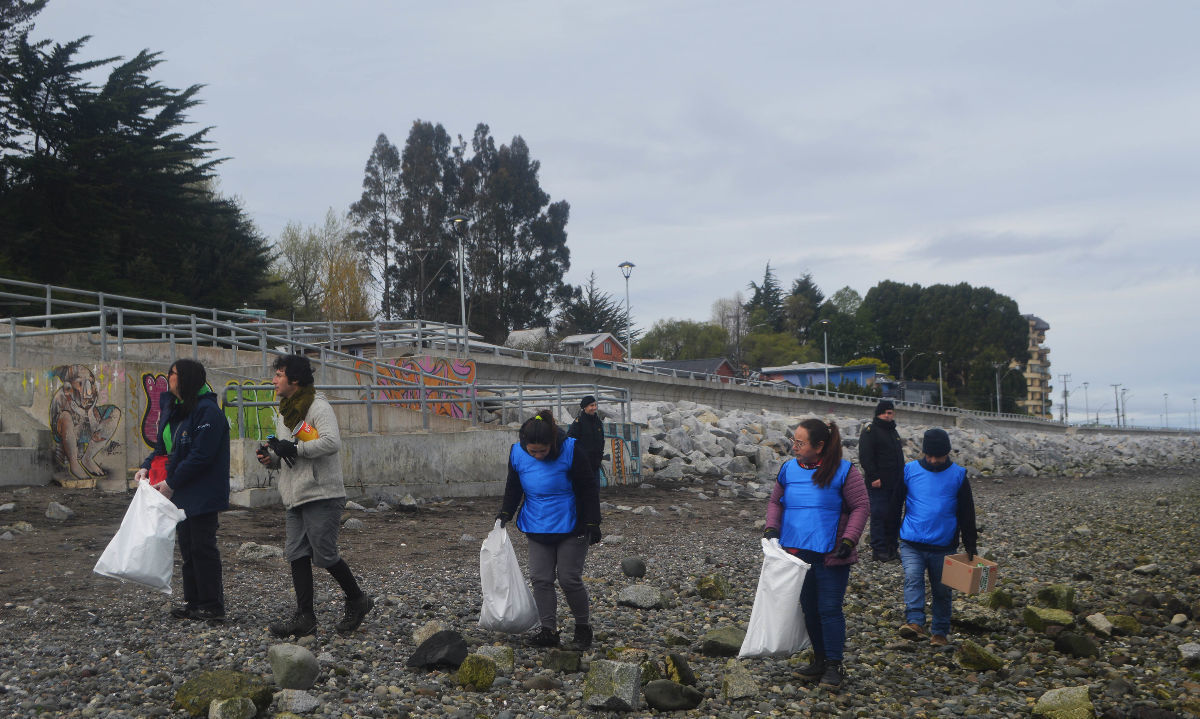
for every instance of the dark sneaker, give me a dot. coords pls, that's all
(209, 615)
(545, 637)
(583, 636)
(939, 640)
(814, 669)
(881, 557)
(912, 631)
(833, 675)
(893, 556)
(301, 624)
(184, 612)
(356, 609)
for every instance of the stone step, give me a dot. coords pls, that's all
(22, 466)
(10, 439)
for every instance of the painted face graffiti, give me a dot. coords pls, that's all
(82, 427)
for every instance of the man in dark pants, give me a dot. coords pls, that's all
(881, 454)
(588, 431)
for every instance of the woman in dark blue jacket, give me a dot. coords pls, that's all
(560, 514)
(194, 436)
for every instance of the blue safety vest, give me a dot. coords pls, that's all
(549, 497)
(810, 513)
(930, 510)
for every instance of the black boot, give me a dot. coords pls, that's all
(814, 669)
(545, 637)
(583, 636)
(356, 609)
(301, 624)
(834, 674)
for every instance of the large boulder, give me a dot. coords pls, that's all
(197, 693)
(444, 649)
(614, 686)
(294, 666)
(722, 642)
(640, 596)
(1065, 703)
(737, 682)
(668, 696)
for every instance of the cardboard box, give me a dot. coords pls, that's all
(980, 575)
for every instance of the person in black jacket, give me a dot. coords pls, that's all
(549, 479)
(194, 436)
(588, 432)
(881, 454)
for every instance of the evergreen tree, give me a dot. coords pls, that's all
(376, 213)
(101, 187)
(768, 297)
(590, 310)
(801, 307)
(516, 242)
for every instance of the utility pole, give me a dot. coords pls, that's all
(1066, 379)
(1124, 408)
(1117, 403)
(1086, 408)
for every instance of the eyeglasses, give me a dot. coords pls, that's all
(796, 442)
(172, 373)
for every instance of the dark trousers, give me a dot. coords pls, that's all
(885, 519)
(202, 587)
(821, 599)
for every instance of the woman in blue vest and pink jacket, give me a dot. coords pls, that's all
(560, 515)
(817, 511)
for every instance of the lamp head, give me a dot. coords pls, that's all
(626, 267)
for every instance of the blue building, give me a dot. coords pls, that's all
(813, 373)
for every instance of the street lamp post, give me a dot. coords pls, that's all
(1086, 412)
(460, 221)
(997, 366)
(626, 267)
(1117, 403)
(825, 332)
(1166, 413)
(941, 402)
(1124, 407)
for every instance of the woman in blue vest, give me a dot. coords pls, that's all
(938, 508)
(817, 511)
(560, 516)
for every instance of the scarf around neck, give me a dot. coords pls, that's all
(295, 407)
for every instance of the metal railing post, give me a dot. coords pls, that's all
(103, 329)
(378, 340)
(49, 306)
(242, 412)
(195, 348)
(121, 332)
(162, 322)
(262, 347)
(215, 343)
(12, 342)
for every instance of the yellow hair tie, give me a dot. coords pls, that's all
(538, 416)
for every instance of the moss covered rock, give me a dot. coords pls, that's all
(1057, 596)
(200, 691)
(999, 599)
(714, 586)
(722, 642)
(1038, 618)
(477, 672)
(679, 671)
(1123, 624)
(974, 657)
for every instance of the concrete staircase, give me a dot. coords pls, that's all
(20, 464)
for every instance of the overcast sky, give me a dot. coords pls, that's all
(1049, 150)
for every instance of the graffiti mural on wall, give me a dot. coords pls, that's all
(153, 385)
(83, 426)
(404, 372)
(255, 422)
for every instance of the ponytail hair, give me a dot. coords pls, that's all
(541, 429)
(831, 453)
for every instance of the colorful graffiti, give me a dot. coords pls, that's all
(405, 375)
(253, 422)
(153, 385)
(82, 425)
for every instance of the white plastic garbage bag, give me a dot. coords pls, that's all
(507, 602)
(143, 549)
(776, 622)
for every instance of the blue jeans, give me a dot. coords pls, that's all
(917, 563)
(821, 599)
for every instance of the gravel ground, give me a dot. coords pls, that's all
(76, 644)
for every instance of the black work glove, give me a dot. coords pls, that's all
(284, 449)
(504, 518)
(770, 533)
(593, 533)
(262, 453)
(844, 548)
(970, 554)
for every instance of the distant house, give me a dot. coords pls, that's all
(718, 366)
(813, 373)
(601, 346)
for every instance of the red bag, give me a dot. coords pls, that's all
(158, 469)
